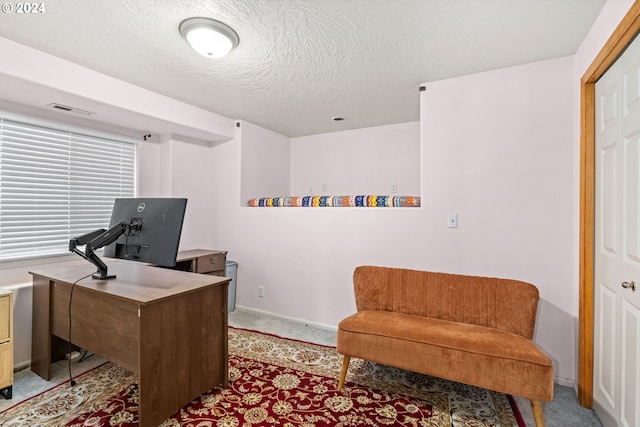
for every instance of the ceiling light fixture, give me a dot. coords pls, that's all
(208, 37)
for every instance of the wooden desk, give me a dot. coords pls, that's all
(170, 327)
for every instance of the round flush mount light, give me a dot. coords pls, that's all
(208, 37)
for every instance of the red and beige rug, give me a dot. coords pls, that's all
(277, 382)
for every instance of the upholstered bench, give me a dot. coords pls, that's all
(474, 330)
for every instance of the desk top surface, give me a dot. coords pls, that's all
(138, 282)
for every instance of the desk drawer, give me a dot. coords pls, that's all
(6, 365)
(5, 318)
(212, 262)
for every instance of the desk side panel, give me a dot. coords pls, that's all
(100, 323)
(41, 328)
(183, 351)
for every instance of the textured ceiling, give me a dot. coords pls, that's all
(302, 62)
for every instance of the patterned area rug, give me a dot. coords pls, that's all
(277, 382)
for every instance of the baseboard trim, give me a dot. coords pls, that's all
(565, 382)
(292, 319)
(22, 365)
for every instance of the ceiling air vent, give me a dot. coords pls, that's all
(70, 109)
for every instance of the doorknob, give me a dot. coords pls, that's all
(628, 285)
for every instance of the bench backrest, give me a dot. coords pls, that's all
(504, 304)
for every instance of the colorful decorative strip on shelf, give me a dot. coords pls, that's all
(336, 201)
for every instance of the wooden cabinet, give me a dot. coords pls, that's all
(6, 343)
(203, 261)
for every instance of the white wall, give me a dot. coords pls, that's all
(265, 162)
(191, 177)
(362, 161)
(179, 167)
(495, 150)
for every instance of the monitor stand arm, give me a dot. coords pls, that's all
(96, 240)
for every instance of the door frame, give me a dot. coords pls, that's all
(624, 33)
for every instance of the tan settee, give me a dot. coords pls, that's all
(474, 330)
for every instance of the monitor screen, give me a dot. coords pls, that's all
(154, 235)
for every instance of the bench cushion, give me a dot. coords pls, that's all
(472, 354)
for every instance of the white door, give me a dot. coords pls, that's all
(616, 382)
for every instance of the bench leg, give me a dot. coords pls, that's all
(536, 406)
(343, 373)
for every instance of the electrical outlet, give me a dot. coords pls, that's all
(324, 187)
(452, 220)
(394, 188)
(261, 291)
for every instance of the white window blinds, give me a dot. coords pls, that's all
(57, 182)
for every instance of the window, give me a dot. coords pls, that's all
(57, 182)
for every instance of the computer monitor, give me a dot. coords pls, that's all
(155, 229)
(141, 229)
